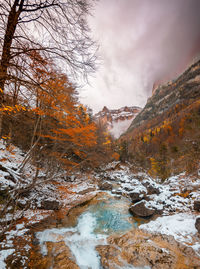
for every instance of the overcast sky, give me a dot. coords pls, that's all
(141, 42)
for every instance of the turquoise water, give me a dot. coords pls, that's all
(112, 216)
(104, 216)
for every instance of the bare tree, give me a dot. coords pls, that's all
(56, 28)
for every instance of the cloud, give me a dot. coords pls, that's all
(141, 42)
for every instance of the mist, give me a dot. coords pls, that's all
(141, 42)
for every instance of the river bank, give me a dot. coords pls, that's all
(165, 239)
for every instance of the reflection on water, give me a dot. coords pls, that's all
(104, 216)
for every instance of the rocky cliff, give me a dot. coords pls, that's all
(185, 89)
(165, 136)
(117, 120)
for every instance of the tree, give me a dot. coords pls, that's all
(63, 126)
(60, 32)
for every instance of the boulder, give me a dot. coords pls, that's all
(128, 188)
(197, 224)
(141, 209)
(136, 196)
(105, 186)
(151, 189)
(197, 205)
(50, 205)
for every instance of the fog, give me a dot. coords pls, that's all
(141, 42)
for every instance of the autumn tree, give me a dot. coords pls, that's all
(63, 128)
(60, 32)
(103, 151)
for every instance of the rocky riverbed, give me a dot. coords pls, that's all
(160, 229)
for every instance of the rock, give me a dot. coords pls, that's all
(137, 249)
(151, 189)
(58, 256)
(197, 205)
(136, 196)
(105, 186)
(90, 189)
(127, 188)
(22, 204)
(118, 191)
(50, 205)
(4, 193)
(197, 224)
(141, 209)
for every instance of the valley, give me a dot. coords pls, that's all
(99, 134)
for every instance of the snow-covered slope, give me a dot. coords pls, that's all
(117, 120)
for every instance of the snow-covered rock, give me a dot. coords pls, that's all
(174, 195)
(181, 226)
(142, 209)
(197, 205)
(117, 120)
(197, 224)
(105, 185)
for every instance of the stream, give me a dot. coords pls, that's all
(89, 226)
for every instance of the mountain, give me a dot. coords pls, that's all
(185, 89)
(165, 136)
(117, 120)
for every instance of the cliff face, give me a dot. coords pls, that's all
(117, 120)
(185, 89)
(165, 136)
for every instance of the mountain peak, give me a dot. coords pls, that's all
(117, 120)
(105, 109)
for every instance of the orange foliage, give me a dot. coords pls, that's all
(12, 109)
(181, 126)
(69, 125)
(116, 156)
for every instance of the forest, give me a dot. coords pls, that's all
(71, 194)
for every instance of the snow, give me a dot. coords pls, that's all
(19, 230)
(81, 187)
(35, 216)
(4, 255)
(168, 197)
(109, 166)
(137, 187)
(181, 226)
(175, 196)
(118, 120)
(11, 216)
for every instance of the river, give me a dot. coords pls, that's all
(89, 226)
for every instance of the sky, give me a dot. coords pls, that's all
(141, 42)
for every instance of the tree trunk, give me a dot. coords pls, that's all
(6, 55)
(8, 38)
(1, 121)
